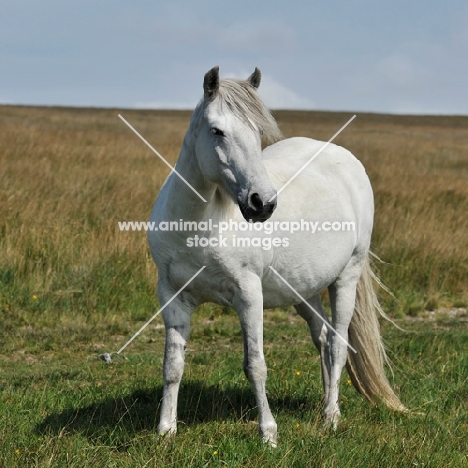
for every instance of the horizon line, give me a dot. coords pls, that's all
(190, 109)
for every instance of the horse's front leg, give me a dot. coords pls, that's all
(177, 322)
(249, 307)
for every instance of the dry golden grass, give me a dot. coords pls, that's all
(68, 175)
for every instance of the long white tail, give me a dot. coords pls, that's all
(366, 367)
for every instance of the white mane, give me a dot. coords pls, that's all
(245, 103)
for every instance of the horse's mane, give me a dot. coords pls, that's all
(244, 102)
(242, 99)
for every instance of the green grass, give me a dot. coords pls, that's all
(62, 406)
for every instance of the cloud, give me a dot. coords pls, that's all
(273, 93)
(278, 96)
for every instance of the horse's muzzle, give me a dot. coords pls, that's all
(256, 209)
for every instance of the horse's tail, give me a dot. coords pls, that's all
(366, 367)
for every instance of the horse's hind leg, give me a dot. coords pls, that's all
(333, 343)
(342, 301)
(317, 319)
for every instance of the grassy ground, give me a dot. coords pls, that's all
(72, 286)
(61, 406)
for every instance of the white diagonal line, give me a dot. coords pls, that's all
(312, 309)
(312, 158)
(161, 309)
(172, 168)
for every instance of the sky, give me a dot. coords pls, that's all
(386, 56)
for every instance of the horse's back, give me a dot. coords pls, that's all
(287, 156)
(334, 182)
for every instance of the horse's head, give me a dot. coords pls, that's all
(229, 142)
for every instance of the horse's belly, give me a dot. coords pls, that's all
(303, 271)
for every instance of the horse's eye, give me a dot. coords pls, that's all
(217, 131)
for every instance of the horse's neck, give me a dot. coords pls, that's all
(182, 202)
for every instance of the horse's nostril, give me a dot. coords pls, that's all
(256, 201)
(271, 206)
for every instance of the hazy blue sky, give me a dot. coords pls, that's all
(363, 55)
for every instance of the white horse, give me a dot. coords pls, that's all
(222, 161)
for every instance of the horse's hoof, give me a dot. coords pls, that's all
(269, 436)
(167, 429)
(331, 422)
(269, 442)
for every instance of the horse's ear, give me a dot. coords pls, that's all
(211, 83)
(255, 78)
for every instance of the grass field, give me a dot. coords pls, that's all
(72, 286)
